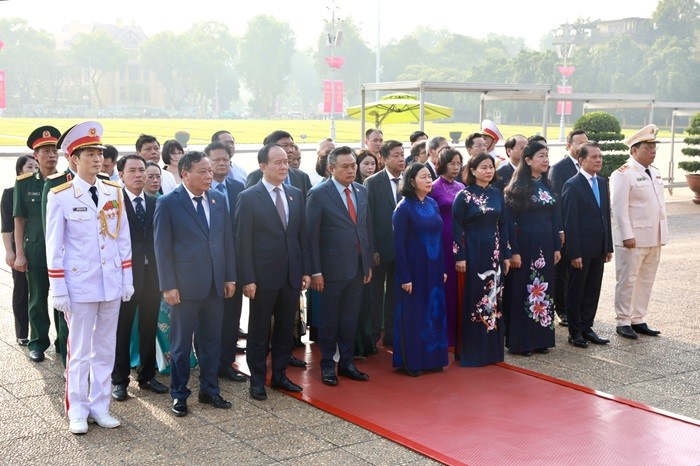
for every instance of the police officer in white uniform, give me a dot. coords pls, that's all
(639, 231)
(88, 251)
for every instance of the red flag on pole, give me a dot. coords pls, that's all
(565, 105)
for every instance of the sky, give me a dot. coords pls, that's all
(517, 18)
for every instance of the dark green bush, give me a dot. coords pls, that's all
(693, 148)
(605, 129)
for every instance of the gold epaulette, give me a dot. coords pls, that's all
(56, 175)
(61, 187)
(623, 168)
(103, 176)
(112, 183)
(24, 176)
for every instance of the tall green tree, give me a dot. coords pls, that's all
(678, 18)
(266, 52)
(99, 53)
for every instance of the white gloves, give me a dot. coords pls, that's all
(127, 292)
(62, 303)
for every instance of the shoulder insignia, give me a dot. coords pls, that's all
(111, 183)
(61, 187)
(623, 168)
(56, 175)
(24, 176)
(103, 176)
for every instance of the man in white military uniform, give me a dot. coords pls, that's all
(88, 251)
(492, 135)
(640, 229)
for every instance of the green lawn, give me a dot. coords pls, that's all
(123, 132)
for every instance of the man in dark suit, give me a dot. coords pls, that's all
(296, 178)
(434, 146)
(586, 207)
(341, 258)
(560, 174)
(140, 208)
(197, 269)
(273, 265)
(383, 194)
(514, 150)
(220, 156)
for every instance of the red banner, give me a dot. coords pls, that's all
(333, 86)
(2, 89)
(561, 104)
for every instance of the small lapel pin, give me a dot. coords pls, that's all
(213, 201)
(290, 198)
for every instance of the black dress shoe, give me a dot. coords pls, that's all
(296, 362)
(231, 374)
(578, 341)
(22, 341)
(258, 393)
(36, 355)
(240, 349)
(119, 392)
(645, 330)
(412, 373)
(591, 336)
(527, 354)
(154, 386)
(214, 400)
(626, 332)
(287, 385)
(564, 321)
(328, 377)
(351, 371)
(179, 407)
(542, 350)
(242, 334)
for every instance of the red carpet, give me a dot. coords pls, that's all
(500, 415)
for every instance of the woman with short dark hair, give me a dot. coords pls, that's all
(420, 334)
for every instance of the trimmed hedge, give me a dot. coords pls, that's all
(693, 149)
(605, 129)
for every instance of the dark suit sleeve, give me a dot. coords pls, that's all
(304, 241)
(314, 214)
(243, 226)
(371, 204)
(253, 178)
(606, 216)
(570, 209)
(163, 243)
(230, 273)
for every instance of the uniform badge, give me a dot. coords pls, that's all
(642, 178)
(45, 134)
(79, 209)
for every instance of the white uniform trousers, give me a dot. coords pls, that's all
(92, 335)
(635, 270)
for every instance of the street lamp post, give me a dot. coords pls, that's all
(333, 39)
(565, 50)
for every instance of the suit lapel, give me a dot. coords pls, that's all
(586, 185)
(266, 200)
(335, 196)
(386, 182)
(186, 202)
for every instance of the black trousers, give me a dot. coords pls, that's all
(281, 304)
(20, 303)
(583, 294)
(383, 301)
(147, 300)
(562, 284)
(229, 328)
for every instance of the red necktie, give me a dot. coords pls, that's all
(351, 206)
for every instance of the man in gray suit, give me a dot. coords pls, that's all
(383, 194)
(337, 217)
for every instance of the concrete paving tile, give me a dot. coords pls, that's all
(55, 386)
(677, 385)
(300, 414)
(423, 461)
(233, 452)
(327, 458)
(129, 453)
(183, 441)
(50, 408)
(13, 408)
(382, 452)
(22, 426)
(341, 433)
(287, 445)
(261, 425)
(20, 371)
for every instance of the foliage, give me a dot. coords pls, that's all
(605, 129)
(678, 18)
(693, 146)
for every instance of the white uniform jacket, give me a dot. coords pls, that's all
(638, 205)
(88, 247)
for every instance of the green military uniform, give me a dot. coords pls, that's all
(27, 204)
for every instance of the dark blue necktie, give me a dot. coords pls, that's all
(140, 214)
(200, 212)
(93, 190)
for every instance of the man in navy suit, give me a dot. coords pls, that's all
(220, 156)
(586, 208)
(341, 258)
(383, 194)
(197, 269)
(514, 150)
(140, 208)
(560, 174)
(273, 265)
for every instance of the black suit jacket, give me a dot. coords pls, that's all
(298, 178)
(233, 189)
(505, 173)
(561, 172)
(142, 247)
(268, 254)
(587, 226)
(381, 207)
(333, 236)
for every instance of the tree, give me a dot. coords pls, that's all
(165, 55)
(99, 53)
(678, 18)
(265, 58)
(605, 129)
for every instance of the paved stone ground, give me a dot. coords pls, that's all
(663, 372)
